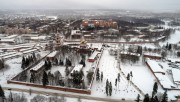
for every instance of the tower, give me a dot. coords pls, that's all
(58, 41)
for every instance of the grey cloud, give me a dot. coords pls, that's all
(91, 4)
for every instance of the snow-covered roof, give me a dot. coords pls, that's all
(29, 51)
(52, 54)
(6, 54)
(13, 47)
(12, 55)
(130, 53)
(156, 68)
(76, 32)
(152, 54)
(77, 68)
(25, 49)
(38, 37)
(38, 66)
(174, 59)
(156, 30)
(161, 37)
(164, 80)
(7, 40)
(11, 36)
(175, 73)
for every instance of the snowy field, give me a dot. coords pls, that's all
(174, 38)
(144, 78)
(14, 68)
(108, 65)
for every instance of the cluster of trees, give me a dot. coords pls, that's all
(117, 79)
(178, 54)
(108, 88)
(154, 97)
(90, 76)
(155, 21)
(139, 50)
(167, 33)
(32, 78)
(135, 49)
(67, 71)
(68, 62)
(39, 98)
(163, 54)
(168, 46)
(13, 97)
(82, 62)
(155, 35)
(99, 76)
(22, 76)
(2, 65)
(45, 80)
(26, 61)
(130, 58)
(129, 76)
(2, 95)
(77, 79)
(155, 50)
(47, 64)
(58, 62)
(124, 23)
(61, 62)
(48, 78)
(12, 30)
(174, 23)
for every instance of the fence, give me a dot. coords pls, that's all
(66, 89)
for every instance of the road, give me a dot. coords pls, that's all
(95, 41)
(87, 97)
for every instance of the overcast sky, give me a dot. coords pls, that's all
(91, 4)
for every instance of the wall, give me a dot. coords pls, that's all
(153, 57)
(66, 89)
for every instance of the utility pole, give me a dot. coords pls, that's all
(11, 99)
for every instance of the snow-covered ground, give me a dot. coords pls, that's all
(142, 77)
(174, 38)
(108, 65)
(14, 68)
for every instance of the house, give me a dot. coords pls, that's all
(99, 23)
(37, 68)
(152, 56)
(110, 33)
(175, 74)
(76, 34)
(89, 36)
(52, 55)
(39, 38)
(97, 47)
(93, 57)
(12, 39)
(77, 68)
